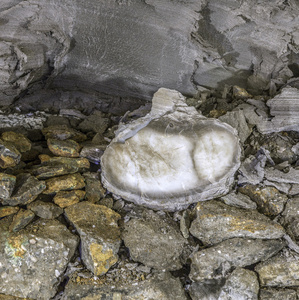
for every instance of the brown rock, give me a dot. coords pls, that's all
(21, 220)
(63, 132)
(20, 141)
(9, 155)
(94, 189)
(8, 210)
(66, 148)
(67, 198)
(66, 182)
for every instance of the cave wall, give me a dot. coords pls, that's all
(130, 48)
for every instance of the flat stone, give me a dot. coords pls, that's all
(282, 187)
(162, 243)
(238, 200)
(99, 233)
(45, 210)
(8, 210)
(63, 132)
(275, 175)
(277, 294)
(33, 260)
(218, 261)
(21, 219)
(268, 199)
(66, 198)
(9, 155)
(282, 270)
(26, 190)
(94, 188)
(161, 286)
(242, 284)
(290, 217)
(107, 202)
(96, 122)
(7, 184)
(57, 166)
(20, 141)
(93, 152)
(294, 190)
(65, 148)
(216, 221)
(66, 182)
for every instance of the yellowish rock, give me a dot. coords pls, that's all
(20, 141)
(9, 155)
(63, 132)
(8, 210)
(67, 148)
(66, 198)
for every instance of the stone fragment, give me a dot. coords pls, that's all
(294, 190)
(240, 93)
(96, 122)
(282, 187)
(268, 199)
(64, 148)
(7, 184)
(66, 182)
(162, 243)
(99, 232)
(45, 210)
(26, 190)
(238, 200)
(8, 210)
(9, 155)
(216, 221)
(278, 176)
(290, 217)
(242, 284)
(237, 120)
(63, 132)
(33, 260)
(93, 152)
(206, 290)
(56, 166)
(277, 294)
(185, 222)
(282, 270)
(66, 198)
(166, 158)
(21, 219)
(20, 141)
(218, 261)
(94, 188)
(107, 202)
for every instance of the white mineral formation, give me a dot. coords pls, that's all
(172, 157)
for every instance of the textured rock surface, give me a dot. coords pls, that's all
(66, 198)
(290, 217)
(99, 232)
(41, 251)
(154, 240)
(67, 148)
(218, 261)
(45, 210)
(239, 200)
(7, 184)
(216, 221)
(277, 294)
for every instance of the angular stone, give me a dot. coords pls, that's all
(9, 155)
(63, 132)
(45, 210)
(26, 190)
(218, 261)
(162, 243)
(206, 290)
(161, 286)
(8, 210)
(277, 294)
(241, 285)
(67, 198)
(216, 221)
(107, 202)
(238, 200)
(65, 148)
(282, 270)
(290, 217)
(66, 182)
(278, 176)
(7, 184)
(20, 141)
(95, 122)
(99, 232)
(21, 220)
(282, 187)
(7, 297)
(93, 152)
(57, 166)
(94, 188)
(268, 199)
(33, 260)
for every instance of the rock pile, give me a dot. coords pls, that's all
(63, 236)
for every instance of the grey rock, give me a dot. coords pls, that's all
(93, 152)
(282, 270)
(160, 286)
(9, 155)
(238, 200)
(21, 220)
(185, 222)
(206, 290)
(218, 261)
(45, 210)
(96, 122)
(242, 284)
(282, 187)
(278, 176)
(154, 240)
(33, 260)
(277, 294)
(99, 233)
(216, 221)
(26, 190)
(294, 189)
(290, 217)
(94, 188)
(7, 184)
